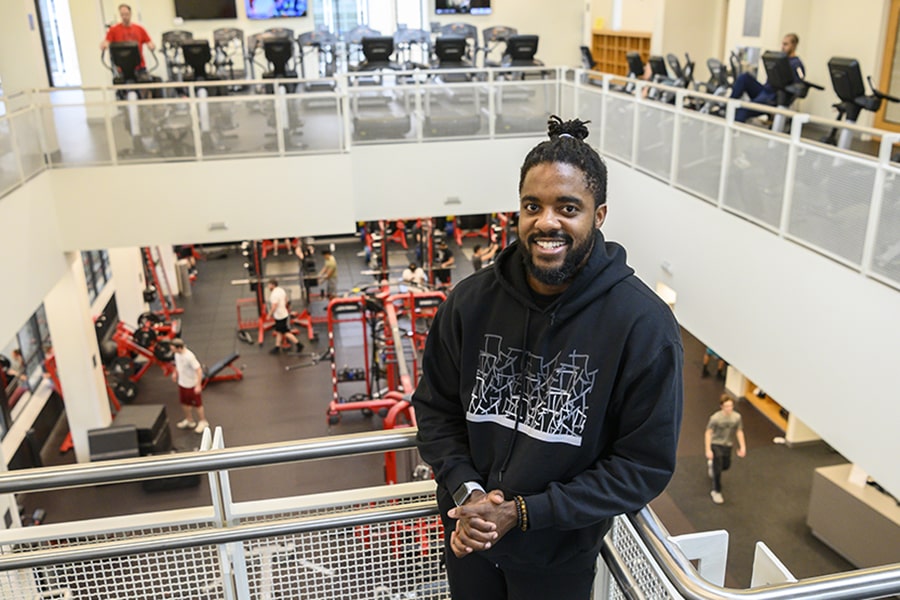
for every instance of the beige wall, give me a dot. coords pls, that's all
(21, 57)
(695, 27)
(830, 34)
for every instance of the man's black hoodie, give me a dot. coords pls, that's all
(575, 406)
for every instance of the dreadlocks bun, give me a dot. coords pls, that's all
(575, 128)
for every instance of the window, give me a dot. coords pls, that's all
(26, 353)
(97, 271)
(340, 16)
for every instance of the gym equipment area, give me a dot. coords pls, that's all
(244, 509)
(367, 345)
(390, 80)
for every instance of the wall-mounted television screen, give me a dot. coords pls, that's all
(273, 9)
(205, 9)
(462, 7)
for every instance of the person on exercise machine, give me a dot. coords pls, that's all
(765, 94)
(126, 31)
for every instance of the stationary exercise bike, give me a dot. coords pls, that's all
(846, 78)
(780, 76)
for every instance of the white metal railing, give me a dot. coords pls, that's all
(841, 204)
(380, 542)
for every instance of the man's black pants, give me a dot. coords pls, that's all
(473, 577)
(721, 462)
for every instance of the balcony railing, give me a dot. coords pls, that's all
(383, 542)
(842, 204)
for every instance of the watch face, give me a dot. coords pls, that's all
(461, 494)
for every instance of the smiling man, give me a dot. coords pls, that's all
(551, 393)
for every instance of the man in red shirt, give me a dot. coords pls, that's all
(126, 31)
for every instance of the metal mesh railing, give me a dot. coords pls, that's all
(700, 148)
(618, 135)
(185, 573)
(754, 186)
(830, 202)
(654, 143)
(638, 564)
(390, 560)
(886, 251)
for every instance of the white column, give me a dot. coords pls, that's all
(77, 355)
(798, 432)
(165, 268)
(128, 275)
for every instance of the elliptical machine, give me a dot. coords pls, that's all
(124, 64)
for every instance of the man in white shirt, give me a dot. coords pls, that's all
(414, 274)
(281, 314)
(189, 377)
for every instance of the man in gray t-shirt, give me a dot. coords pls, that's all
(723, 428)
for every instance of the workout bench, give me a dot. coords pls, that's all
(211, 374)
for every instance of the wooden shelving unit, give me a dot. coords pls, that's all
(609, 47)
(766, 405)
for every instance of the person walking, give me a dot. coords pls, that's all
(551, 393)
(724, 427)
(281, 314)
(188, 375)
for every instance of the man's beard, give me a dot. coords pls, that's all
(572, 263)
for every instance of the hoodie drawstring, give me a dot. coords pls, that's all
(523, 362)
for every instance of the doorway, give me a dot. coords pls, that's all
(58, 38)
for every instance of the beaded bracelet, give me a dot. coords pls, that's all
(521, 513)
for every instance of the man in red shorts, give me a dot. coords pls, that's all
(126, 31)
(189, 377)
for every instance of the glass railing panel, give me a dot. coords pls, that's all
(153, 130)
(28, 141)
(886, 251)
(590, 108)
(655, 134)
(701, 143)
(17, 101)
(754, 186)
(314, 120)
(10, 176)
(452, 110)
(830, 202)
(523, 107)
(619, 133)
(382, 113)
(236, 126)
(74, 122)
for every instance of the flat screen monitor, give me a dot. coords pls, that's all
(205, 9)
(462, 7)
(126, 56)
(378, 49)
(278, 52)
(274, 9)
(450, 48)
(522, 47)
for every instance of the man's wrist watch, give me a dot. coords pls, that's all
(465, 490)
